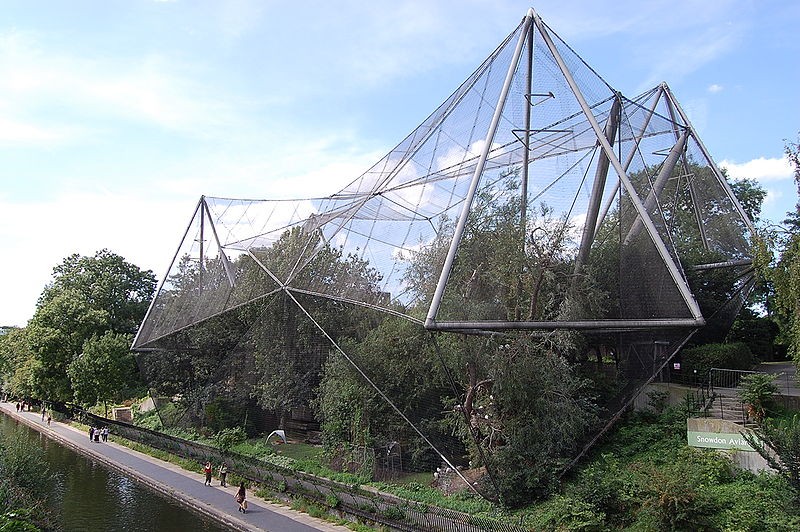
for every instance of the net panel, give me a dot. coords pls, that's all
(281, 304)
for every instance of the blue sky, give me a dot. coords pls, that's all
(115, 116)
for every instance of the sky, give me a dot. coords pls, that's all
(116, 116)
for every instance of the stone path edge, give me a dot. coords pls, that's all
(180, 497)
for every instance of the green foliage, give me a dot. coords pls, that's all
(785, 275)
(608, 486)
(404, 363)
(87, 298)
(755, 502)
(289, 364)
(751, 196)
(27, 480)
(103, 370)
(674, 500)
(704, 357)
(758, 390)
(757, 332)
(568, 513)
(778, 441)
(543, 415)
(227, 438)
(148, 420)
(16, 372)
(645, 477)
(222, 413)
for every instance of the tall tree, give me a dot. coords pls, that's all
(87, 297)
(104, 369)
(786, 274)
(105, 282)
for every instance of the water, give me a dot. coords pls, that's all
(89, 497)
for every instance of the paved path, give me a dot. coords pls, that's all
(787, 379)
(184, 486)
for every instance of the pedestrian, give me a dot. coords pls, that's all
(49, 419)
(18, 405)
(44, 411)
(104, 434)
(241, 498)
(91, 433)
(223, 473)
(208, 469)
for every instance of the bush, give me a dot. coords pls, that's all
(676, 497)
(757, 390)
(778, 442)
(756, 502)
(568, 513)
(704, 357)
(609, 487)
(27, 480)
(227, 438)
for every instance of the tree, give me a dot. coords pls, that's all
(16, 374)
(520, 408)
(56, 334)
(750, 194)
(87, 297)
(104, 369)
(290, 351)
(105, 282)
(786, 273)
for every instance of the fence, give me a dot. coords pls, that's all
(726, 378)
(349, 500)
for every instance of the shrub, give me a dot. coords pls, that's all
(609, 487)
(704, 357)
(227, 438)
(569, 513)
(27, 480)
(778, 442)
(757, 391)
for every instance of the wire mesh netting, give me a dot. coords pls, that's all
(552, 225)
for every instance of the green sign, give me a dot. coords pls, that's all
(718, 440)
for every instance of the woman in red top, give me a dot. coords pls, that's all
(208, 469)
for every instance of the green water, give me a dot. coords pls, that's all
(88, 497)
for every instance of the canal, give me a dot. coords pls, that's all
(86, 496)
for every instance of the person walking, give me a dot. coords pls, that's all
(49, 419)
(241, 498)
(104, 434)
(208, 470)
(223, 473)
(91, 433)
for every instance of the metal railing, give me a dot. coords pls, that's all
(726, 378)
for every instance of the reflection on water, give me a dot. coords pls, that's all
(89, 497)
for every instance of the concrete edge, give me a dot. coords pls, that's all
(176, 495)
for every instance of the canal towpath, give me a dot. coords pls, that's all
(186, 487)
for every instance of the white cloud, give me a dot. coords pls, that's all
(16, 131)
(761, 169)
(149, 89)
(714, 88)
(144, 230)
(773, 197)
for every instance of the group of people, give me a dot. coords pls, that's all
(241, 495)
(98, 434)
(45, 413)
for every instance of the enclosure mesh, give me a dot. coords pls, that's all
(380, 243)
